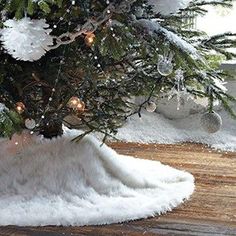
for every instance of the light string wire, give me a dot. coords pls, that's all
(92, 24)
(63, 53)
(59, 69)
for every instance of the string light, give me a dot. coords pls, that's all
(20, 107)
(50, 99)
(89, 39)
(76, 104)
(81, 106)
(94, 23)
(73, 102)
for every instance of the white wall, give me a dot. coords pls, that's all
(230, 66)
(218, 20)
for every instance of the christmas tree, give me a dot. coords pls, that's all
(79, 62)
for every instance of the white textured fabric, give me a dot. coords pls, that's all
(60, 182)
(166, 7)
(26, 39)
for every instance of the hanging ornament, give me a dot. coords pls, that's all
(151, 107)
(30, 123)
(165, 66)
(179, 90)
(89, 39)
(26, 39)
(20, 107)
(211, 122)
(167, 7)
(73, 102)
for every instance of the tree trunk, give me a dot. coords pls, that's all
(52, 129)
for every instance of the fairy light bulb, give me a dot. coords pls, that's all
(89, 39)
(81, 106)
(20, 107)
(73, 102)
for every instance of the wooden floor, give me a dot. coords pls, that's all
(211, 210)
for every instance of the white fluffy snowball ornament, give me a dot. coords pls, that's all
(211, 122)
(2, 107)
(26, 39)
(166, 7)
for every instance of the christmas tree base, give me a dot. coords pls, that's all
(59, 182)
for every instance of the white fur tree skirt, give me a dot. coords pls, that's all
(64, 183)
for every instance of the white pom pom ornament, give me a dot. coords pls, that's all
(166, 7)
(2, 107)
(211, 122)
(26, 39)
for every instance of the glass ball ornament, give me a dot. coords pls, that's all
(165, 66)
(30, 123)
(151, 107)
(211, 122)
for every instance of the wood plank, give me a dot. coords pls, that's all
(211, 210)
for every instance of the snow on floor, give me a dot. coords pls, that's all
(154, 128)
(59, 182)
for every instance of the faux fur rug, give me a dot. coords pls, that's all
(63, 183)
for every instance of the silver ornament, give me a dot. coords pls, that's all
(211, 122)
(30, 124)
(165, 66)
(151, 107)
